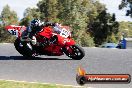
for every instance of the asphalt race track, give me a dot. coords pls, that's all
(62, 70)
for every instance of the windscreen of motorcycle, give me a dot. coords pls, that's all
(62, 31)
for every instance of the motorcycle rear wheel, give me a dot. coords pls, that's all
(24, 50)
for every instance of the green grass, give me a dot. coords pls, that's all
(12, 84)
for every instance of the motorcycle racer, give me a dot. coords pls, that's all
(61, 34)
(37, 26)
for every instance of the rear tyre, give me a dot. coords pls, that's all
(23, 48)
(75, 52)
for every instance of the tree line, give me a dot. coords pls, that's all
(91, 24)
(126, 4)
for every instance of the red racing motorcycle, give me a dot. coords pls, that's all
(64, 45)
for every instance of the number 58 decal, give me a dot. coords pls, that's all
(13, 32)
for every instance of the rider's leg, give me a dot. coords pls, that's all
(53, 39)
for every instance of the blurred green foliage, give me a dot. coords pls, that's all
(8, 17)
(90, 23)
(126, 4)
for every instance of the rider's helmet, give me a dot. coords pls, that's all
(36, 25)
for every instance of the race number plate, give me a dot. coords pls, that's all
(13, 32)
(64, 33)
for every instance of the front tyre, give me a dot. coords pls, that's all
(75, 52)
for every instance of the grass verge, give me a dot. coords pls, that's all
(13, 84)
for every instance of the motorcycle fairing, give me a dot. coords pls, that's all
(46, 32)
(15, 30)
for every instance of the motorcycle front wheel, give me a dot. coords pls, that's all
(75, 52)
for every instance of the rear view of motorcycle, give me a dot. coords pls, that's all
(31, 47)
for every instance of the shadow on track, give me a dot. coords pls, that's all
(28, 58)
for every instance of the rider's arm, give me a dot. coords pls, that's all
(29, 29)
(49, 24)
